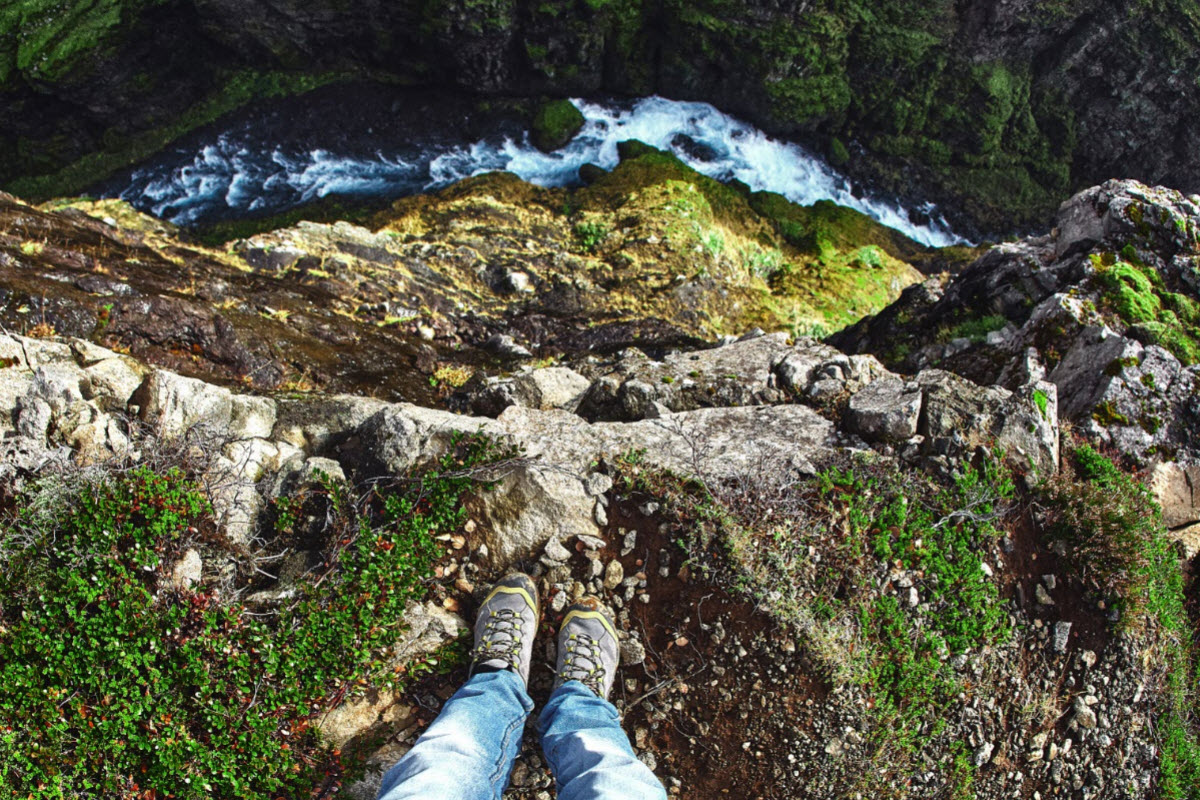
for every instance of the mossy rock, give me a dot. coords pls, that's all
(839, 156)
(590, 173)
(635, 148)
(556, 123)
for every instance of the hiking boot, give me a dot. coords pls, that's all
(588, 651)
(506, 625)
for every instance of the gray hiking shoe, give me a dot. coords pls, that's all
(588, 651)
(506, 626)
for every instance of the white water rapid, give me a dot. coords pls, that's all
(231, 176)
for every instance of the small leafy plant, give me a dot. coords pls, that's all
(114, 683)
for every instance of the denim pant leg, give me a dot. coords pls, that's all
(467, 753)
(588, 750)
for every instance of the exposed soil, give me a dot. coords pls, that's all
(1030, 559)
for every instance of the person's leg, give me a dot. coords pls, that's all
(468, 751)
(582, 737)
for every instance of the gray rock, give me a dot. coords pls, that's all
(555, 552)
(187, 571)
(614, 573)
(960, 416)
(1084, 716)
(1174, 487)
(316, 424)
(553, 387)
(176, 405)
(504, 345)
(632, 652)
(738, 374)
(251, 417)
(1062, 636)
(530, 505)
(885, 411)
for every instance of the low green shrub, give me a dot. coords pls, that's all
(114, 684)
(975, 329)
(591, 234)
(1108, 522)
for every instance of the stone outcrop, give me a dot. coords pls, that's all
(802, 403)
(1105, 308)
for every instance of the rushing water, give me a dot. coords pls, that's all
(237, 174)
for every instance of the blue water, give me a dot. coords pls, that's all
(234, 174)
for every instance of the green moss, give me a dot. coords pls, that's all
(1106, 414)
(1042, 401)
(52, 40)
(839, 156)
(555, 124)
(1136, 294)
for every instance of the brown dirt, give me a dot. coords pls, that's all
(704, 746)
(1027, 563)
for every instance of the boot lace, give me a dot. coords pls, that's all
(582, 662)
(501, 638)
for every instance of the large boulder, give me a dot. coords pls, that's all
(959, 416)
(736, 374)
(177, 406)
(1176, 487)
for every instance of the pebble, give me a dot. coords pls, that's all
(592, 542)
(555, 552)
(1062, 634)
(629, 543)
(1043, 597)
(558, 602)
(632, 651)
(614, 573)
(1084, 716)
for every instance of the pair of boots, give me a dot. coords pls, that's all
(505, 628)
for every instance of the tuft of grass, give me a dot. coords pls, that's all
(591, 234)
(975, 329)
(1109, 522)
(450, 375)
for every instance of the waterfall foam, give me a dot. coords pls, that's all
(231, 176)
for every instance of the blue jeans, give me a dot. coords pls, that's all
(468, 751)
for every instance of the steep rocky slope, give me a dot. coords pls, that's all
(1001, 108)
(894, 563)
(485, 272)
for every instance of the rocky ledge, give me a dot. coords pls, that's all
(779, 525)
